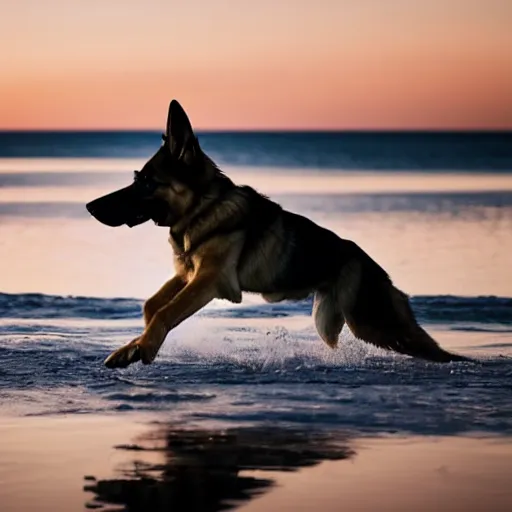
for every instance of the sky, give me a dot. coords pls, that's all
(260, 64)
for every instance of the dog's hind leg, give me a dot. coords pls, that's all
(328, 317)
(379, 313)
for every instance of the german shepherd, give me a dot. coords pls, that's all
(228, 239)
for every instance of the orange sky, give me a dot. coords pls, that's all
(256, 64)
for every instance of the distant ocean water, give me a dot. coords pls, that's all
(434, 209)
(420, 151)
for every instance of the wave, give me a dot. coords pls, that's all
(445, 309)
(38, 306)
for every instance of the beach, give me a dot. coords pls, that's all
(245, 406)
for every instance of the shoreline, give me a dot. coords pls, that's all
(76, 462)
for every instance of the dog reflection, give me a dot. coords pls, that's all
(209, 470)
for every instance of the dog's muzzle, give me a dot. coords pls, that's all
(132, 205)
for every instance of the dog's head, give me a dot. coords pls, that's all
(168, 184)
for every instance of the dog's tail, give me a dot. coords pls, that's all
(379, 313)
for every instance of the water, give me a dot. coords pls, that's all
(434, 209)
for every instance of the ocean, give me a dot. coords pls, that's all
(434, 209)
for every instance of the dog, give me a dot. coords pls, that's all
(229, 239)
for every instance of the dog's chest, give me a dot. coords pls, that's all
(182, 259)
(177, 242)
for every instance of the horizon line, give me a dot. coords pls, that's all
(470, 130)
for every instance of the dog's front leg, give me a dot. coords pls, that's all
(163, 296)
(199, 292)
(195, 295)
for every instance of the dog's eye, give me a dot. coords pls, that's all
(141, 178)
(145, 182)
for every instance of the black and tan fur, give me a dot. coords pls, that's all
(229, 239)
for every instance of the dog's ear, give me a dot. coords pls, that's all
(180, 138)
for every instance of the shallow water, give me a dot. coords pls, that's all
(258, 364)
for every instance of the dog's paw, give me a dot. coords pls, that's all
(124, 356)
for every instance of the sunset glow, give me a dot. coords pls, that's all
(254, 65)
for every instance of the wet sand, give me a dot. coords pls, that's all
(143, 462)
